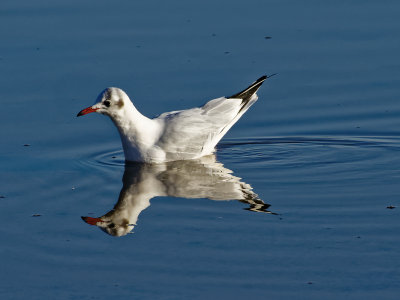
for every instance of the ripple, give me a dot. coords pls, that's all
(104, 159)
(318, 159)
(110, 158)
(343, 141)
(276, 151)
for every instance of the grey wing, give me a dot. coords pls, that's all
(195, 132)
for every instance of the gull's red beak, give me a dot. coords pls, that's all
(91, 221)
(86, 111)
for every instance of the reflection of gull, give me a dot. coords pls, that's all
(203, 178)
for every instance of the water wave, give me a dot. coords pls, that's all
(283, 151)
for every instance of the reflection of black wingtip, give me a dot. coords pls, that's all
(255, 204)
(261, 210)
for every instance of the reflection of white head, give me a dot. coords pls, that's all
(202, 178)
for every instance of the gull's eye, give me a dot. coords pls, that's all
(106, 103)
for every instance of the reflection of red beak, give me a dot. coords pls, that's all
(86, 111)
(91, 221)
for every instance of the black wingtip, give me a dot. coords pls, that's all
(262, 78)
(248, 92)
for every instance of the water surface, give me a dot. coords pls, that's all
(301, 200)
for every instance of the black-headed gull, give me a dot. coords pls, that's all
(176, 135)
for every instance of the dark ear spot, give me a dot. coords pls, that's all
(120, 103)
(124, 223)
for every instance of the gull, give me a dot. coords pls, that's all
(177, 135)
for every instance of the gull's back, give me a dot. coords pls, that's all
(195, 132)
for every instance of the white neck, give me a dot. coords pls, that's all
(138, 133)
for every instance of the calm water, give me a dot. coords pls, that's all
(314, 164)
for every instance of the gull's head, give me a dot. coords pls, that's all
(121, 227)
(110, 102)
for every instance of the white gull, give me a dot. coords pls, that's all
(176, 135)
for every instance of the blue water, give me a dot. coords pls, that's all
(316, 156)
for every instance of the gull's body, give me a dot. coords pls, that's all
(177, 135)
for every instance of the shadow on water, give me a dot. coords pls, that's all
(203, 178)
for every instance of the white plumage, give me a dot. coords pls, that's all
(177, 135)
